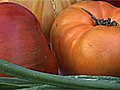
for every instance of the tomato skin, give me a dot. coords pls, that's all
(113, 2)
(22, 41)
(99, 55)
(82, 47)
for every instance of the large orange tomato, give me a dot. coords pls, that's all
(86, 39)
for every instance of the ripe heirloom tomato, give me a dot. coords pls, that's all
(86, 39)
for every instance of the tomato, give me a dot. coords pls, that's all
(86, 39)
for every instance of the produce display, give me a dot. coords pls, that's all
(51, 44)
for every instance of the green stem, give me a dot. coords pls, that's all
(50, 79)
(107, 22)
(10, 86)
(17, 82)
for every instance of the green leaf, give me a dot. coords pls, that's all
(10, 86)
(10, 83)
(16, 81)
(57, 80)
(40, 87)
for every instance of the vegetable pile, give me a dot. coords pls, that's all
(84, 46)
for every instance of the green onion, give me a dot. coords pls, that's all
(57, 80)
